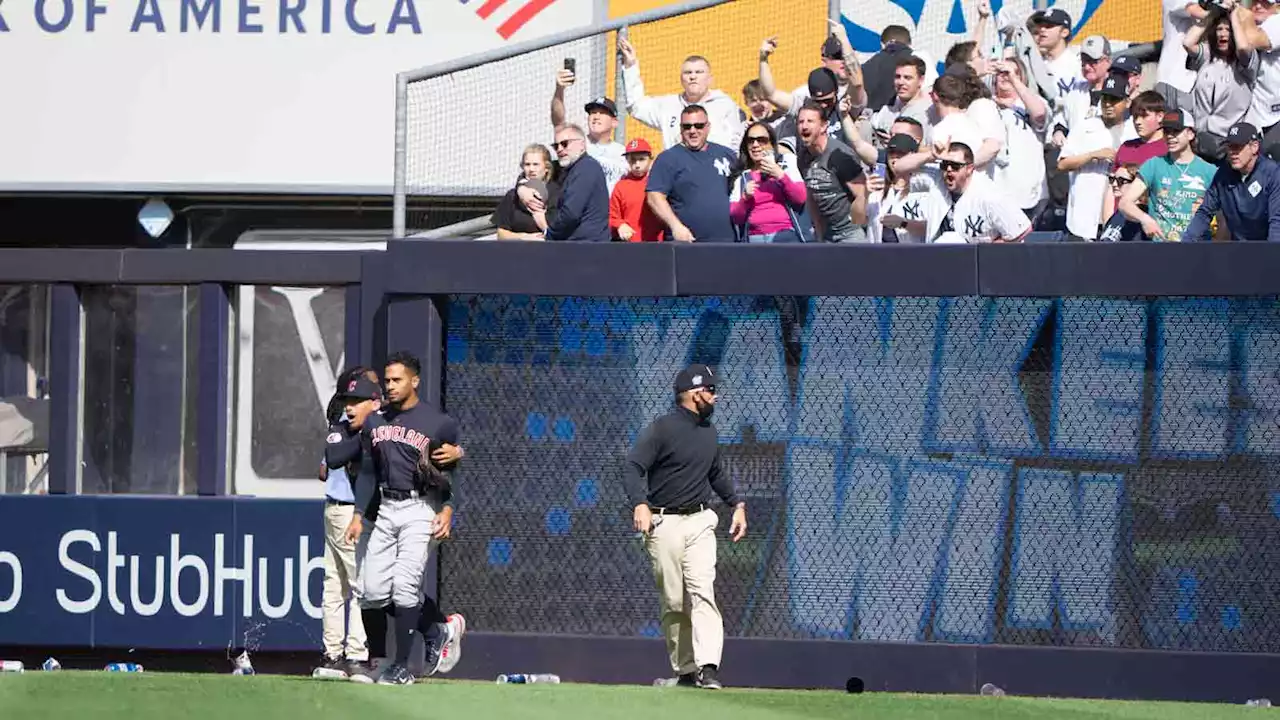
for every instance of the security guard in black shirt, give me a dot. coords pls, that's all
(680, 455)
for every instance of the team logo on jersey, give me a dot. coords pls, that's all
(515, 20)
(974, 225)
(722, 166)
(333, 438)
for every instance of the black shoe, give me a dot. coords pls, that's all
(395, 675)
(434, 646)
(707, 678)
(330, 669)
(365, 673)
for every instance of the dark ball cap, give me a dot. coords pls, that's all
(822, 82)
(361, 388)
(693, 377)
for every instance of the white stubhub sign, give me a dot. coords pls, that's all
(230, 95)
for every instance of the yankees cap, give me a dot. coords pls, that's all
(1126, 64)
(1116, 86)
(1053, 16)
(693, 377)
(1242, 133)
(361, 388)
(602, 103)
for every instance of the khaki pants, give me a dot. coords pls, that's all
(341, 587)
(683, 551)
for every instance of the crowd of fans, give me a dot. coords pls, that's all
(1028, 134)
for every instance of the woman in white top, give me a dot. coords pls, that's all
(1020, 165)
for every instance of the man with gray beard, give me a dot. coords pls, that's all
(582, 212)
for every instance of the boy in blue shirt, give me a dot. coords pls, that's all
(688, 186)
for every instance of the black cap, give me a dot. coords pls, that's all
(822, 82)
(1116, 86)
(1052, 16)
(1126, 64)
(1242, 133)
(603, 103)
(361, 388)
(1177, 121)
(902, 142)
(832, 49)
(693, 377)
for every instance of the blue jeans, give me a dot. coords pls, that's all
(782, 236)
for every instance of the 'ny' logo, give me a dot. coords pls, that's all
(974, 225)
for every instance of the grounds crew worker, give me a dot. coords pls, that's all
(680, 455)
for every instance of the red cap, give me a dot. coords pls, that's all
(638, 145)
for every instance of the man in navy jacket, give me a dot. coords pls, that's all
(1246, 190)
(582, 212)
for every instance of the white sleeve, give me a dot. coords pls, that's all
(643, 108)
(1272, 30)
(1176, 8)
(1006, 218)
(986, 115)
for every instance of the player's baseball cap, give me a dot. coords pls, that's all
(637, 146)
(695, 376)
(831, 48)
(902, 143)
(1242, 133)
(1116, 86)
(1177, 120)
(1126, 64)
(602, 103)
(822, 82)
(1096, 47)
(1052, 16)
(361, 388)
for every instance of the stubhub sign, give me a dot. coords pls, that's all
(166, 573)
(253, 95)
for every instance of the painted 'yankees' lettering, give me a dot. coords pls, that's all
(400, 434)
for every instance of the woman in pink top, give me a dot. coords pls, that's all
(767, 193)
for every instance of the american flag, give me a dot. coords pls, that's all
(517, 19)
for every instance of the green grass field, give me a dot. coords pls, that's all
(108, 696)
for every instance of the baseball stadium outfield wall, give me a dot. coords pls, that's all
(551, 355)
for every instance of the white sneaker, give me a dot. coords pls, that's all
(451, 653)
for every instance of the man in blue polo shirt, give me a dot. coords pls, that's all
(1246, 189)
(688, 186)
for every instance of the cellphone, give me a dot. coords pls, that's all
(571, 65)
(880, 170)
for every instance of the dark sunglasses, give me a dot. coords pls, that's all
(951, 165)
(562, 144)
(1117, 180)
(762, 139)
(692, 126)
(710, 388)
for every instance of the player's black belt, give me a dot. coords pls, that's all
(394, 494)
(685, 510)
(331, 501)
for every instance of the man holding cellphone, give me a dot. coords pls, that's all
(602, 122)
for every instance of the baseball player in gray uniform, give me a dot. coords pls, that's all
(405, 495)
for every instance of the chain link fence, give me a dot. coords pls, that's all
(1078, 471)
